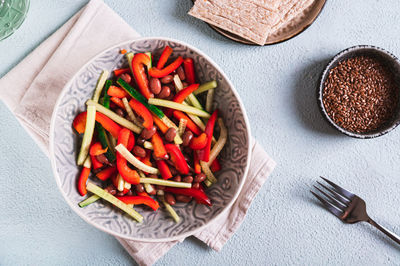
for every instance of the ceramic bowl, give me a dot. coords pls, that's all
(387, 58)
(157, 226)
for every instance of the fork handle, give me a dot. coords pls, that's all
(390, 234)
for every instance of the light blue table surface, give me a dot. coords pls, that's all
(277, 84)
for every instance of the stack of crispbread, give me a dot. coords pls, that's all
(253, 20)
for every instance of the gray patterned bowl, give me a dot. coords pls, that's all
(157, 226)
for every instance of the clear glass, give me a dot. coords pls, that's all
(12, 14)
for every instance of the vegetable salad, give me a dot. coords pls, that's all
(148, 137)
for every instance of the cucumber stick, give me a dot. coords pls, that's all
(179, 106)
(138, 96)
(150, 65)
(105, 143)
(88, 201)
(100, 84)
(206, 86)
(113, 200)
(91, 119)
(88, 135)
(166, 183)
(207, 171)
(106, 98)
(171, 211)
(191, 98)
(129, 57)
(135, 162)
(209, 100)
(113, 116)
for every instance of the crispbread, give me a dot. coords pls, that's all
(289, 9)
(242, 17)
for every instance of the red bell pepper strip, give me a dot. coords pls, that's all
(144, 194)
(164, 169)
(115, 91)
(198, 143)
(204, 154)
(158, 146)
(83, 177)
(128, 174)
(159, 73)
(114, 180)
(107, 123)
(160, 124)
(138, 62)
(120, 71)
(196, 163)
(95, 163)
(106, 173)
(177, 158)
(97, 149)
(199, 195)
(189, 124)
(215, 166)
(118, 102)
(189, 70)
(146, 160)
(181, 96)
(140, 200)
(142, 111)
(164, 57)
(79, 123)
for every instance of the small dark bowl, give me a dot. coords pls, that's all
(387, 58)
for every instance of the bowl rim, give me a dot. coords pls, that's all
(321, 88)
(74, 206)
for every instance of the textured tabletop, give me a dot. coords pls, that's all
(277, 84)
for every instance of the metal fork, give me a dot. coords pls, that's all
(347, 206)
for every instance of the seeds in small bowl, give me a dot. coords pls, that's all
(359, 92)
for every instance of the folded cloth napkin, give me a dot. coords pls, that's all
(48, 68)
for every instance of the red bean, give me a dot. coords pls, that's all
(139, 151)
(111, 189)
(140, 141)
(199, 178)
(177, 178)
(169, 198)
(181, 73)
(183, 198)
(167, 79)
(159, 187)
(155, 85)
(148, 133)
(196, 185)
(120, 112)
(164, 93)
(166, 157)
(188, 179)
(170, 134)
(126, 77)
(139, 188)
(187, 137)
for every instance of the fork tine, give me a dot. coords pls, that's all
(334, 201)
(328, 205)
(340, 190)
(336, 195)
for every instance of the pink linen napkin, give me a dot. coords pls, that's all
(49, 67)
